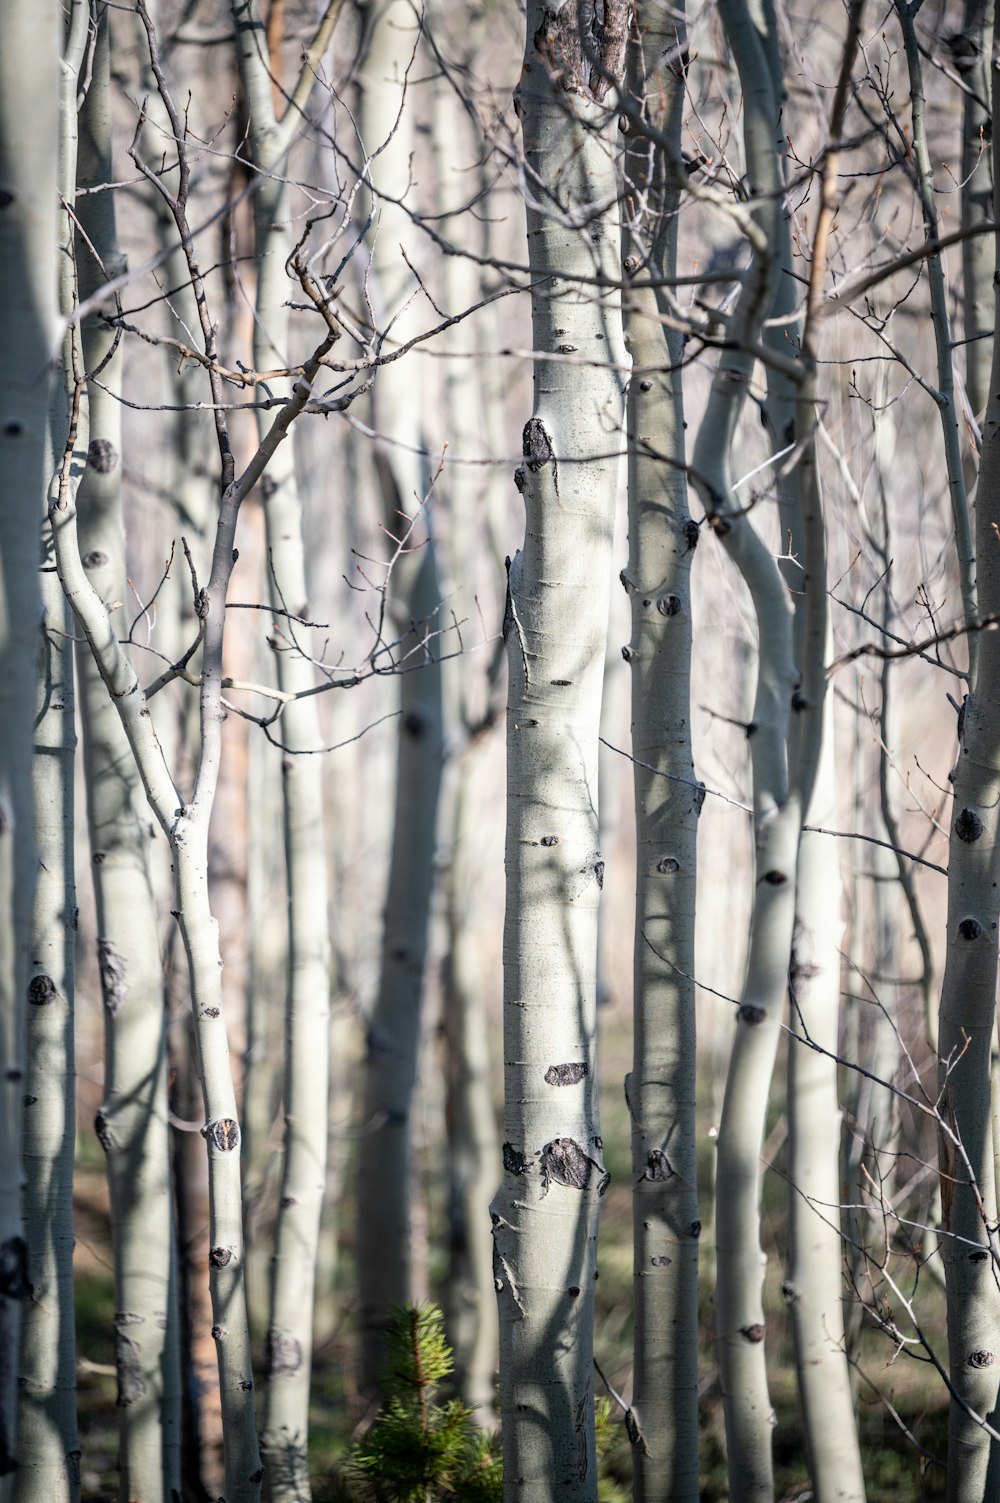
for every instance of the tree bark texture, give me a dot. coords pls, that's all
(781, 787)
(132, 1122)
(307, 1010)
(967, 1019)
(546, 1211)
(29, 112)
(386, 1271)
(662, 537)
(50, 1459)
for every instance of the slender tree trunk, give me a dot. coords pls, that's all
(470, 1112)
(186, 823)
(739, 1313)
(970, 51)
(388, 1263)
(50, 1463)
(813, 1286)
(546, 1211)
(306, 1079)
(29, 102)
(132, 1124)
(967, 1015)
(662, 1086)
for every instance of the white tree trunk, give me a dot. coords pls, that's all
(50, 1461)
(307, 1047)
(29, 104)
(546, 1211)
(132, 1123)
(662, 536)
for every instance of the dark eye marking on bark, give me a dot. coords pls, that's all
(560, 683)
(225, 1134)
(28, 1100)
(970, 928)
(211, 1012)
(573, 1291)
(748, 1013)
(669, 605)
(41, 991)
(14, 1268)
(549, 840)
(284, 1354)
(104, 1134)
(696, 1229)
(571, 1074)
(95, 559)
(220, 1256)
(565, 1163)
(979, 1256)
(658, 1166)
(660, 1262)
(981, 1359)
(536, 446)
(968, 826)
(131, 1388)
(599, 872)
(102, 455)
(753, 1334)
(112, 968)
(775, 879)
(514, 1160)
(667, 866)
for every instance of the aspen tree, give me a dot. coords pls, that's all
(185, 821)
(967, 1017)
(386, 1272)
(29, 118)
(546, 1210)
(307, 1049)
(813, 1286)
(783, 754)
(50, 1448)
(132, 1122)
(662, 537)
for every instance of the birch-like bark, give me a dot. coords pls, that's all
(546, 1211)
(29, 105)
(661, 1089)
(386, 1272)
(132, 1123)
(967, 1014)
(970, 49)
(777, 805)
(813, 1286)
(50, 1448)
(785, 739)
(186, 824)
(307, 1045)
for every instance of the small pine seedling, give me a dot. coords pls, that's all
(419, 1451)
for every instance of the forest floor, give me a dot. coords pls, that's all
(902, 1405)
